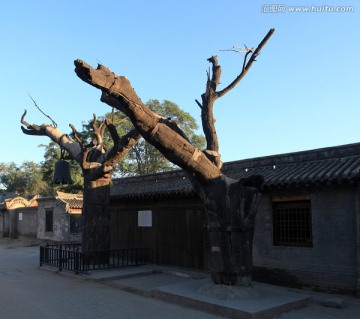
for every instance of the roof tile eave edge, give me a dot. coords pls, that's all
(347, 150)
(311, 182)
(179, 173)
(154, 195)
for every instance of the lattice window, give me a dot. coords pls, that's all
(292, 223)
(49, 220)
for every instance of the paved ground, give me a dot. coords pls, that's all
(28, 291)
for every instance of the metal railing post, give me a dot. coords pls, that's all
(60, 258)
(41, 255)
(76, 262)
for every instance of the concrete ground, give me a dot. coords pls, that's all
(29, 291)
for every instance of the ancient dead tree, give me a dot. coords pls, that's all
(230, 204)
(97, 164)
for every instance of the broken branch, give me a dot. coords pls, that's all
(53, 122)
(248, 65)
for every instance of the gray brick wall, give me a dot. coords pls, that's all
(331, 264)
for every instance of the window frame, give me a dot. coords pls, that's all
(49, 220)
(75, 221)
(292, 223)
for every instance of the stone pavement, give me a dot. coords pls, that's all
(195, 290)
(30, 291)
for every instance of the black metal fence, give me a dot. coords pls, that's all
(70, 257)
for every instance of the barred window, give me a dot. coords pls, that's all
(49, 220)
(292, 223)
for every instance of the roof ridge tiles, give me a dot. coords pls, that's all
(348, 150)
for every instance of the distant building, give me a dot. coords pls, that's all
(18, 216)
(54, 218)
(60, 218)
(307, 231)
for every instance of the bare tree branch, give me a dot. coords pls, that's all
(63, 140)
(85, 165)
(248, 64)
(122, 146)
(31, 129)
(112, 130)
(211, 95)
(97, 131)
(245, 58)
(23, 119)
(52, 121)
(207, 118)
(198, 103)
(75, 133)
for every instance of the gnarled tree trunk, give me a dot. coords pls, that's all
(231, 210)
(230, 205)
(96, 218)
(96, 165)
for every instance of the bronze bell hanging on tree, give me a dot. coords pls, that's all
(62, 171)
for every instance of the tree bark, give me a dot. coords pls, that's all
(96, 218)
(158, 131)
(231, 208)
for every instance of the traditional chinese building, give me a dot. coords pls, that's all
(307, 231)
(60, 217)
(54, 218)
(18, 217)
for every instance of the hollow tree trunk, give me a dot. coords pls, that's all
(231, 210)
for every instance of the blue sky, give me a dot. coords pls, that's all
(302, 93)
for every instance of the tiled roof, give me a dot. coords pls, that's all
(74, 201)
(172, 184)
(337, 164)
(327, 165)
